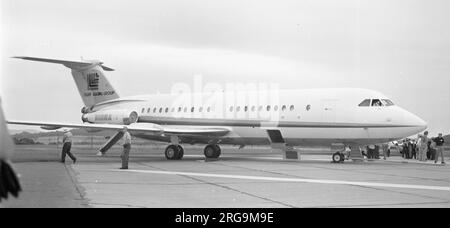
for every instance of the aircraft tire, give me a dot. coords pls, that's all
(212, 151)
(172, 152)
(336, 157)
(217, 151)
(180, 153)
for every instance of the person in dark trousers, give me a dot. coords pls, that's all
(67, 146)
(409, 148)
(405, 151)
(439, 148)
(413, 150)
(377, 152)
(9, 181)
(429, 155)
(126, 148)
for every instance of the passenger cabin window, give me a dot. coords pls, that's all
(292, 108)
(283, 108)
(365, 103)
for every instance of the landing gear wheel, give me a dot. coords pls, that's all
(218, 151)
(174, 152)
(180, 153)
(337, 157)
(342, 157)
(212, 151)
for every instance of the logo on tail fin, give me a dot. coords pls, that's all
(92, 81)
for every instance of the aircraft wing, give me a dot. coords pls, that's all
(149, 128)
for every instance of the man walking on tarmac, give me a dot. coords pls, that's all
(126, 148)
(67, 145)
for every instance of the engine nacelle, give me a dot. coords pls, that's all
(111, 117)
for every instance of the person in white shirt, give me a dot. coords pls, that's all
(423, 146)
(67, 146)
(126, 147)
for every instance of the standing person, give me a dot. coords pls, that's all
(429, 155)
(370, 151)
(405, 149)
(9, 181)
(423, 146)
(385, 148)
(126, 148)
(432, 149)
(439, 148)
(419, 148)
(67, 146)
(410, 149)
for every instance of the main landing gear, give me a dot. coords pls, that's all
(176, 152)
(212, 151)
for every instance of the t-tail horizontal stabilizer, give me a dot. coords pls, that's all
(89, 77)
(68, 64)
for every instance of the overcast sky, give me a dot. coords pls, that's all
(398, 47)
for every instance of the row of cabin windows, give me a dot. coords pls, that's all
(208, 109)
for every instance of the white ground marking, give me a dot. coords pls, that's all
(280, 179)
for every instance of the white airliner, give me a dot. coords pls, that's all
(310, 117)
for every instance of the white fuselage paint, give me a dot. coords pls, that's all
(319, 116)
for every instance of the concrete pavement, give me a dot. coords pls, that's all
(241, 178)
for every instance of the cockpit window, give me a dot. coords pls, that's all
(376, 102)
(387, 102)
(365, 102)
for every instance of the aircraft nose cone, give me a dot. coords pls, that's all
(417, 122)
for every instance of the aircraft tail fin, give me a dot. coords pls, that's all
(89, 77)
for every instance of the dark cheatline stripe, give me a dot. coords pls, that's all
(259, 123)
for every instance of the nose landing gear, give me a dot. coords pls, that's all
(338, 157)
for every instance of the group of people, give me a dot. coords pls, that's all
(126, 143)
(423, 148)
